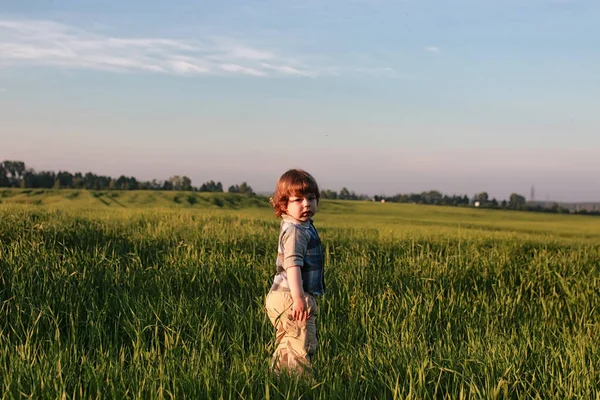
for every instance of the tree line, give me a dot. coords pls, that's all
(434, 197)
(16, 174)
(480, 200)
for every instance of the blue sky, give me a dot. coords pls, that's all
(380, 96)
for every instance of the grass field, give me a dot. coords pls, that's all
(160, 295)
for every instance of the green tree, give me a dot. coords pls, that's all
(180, 182)
(4, 181)
(344, 194)
(431, 197)
(517, 201)
(329, 194)
(65, 179)
(243, 188)
(78, 180)
(211, 186)
(186, 183)
(14, 172)
(481, 198)
(122, 182)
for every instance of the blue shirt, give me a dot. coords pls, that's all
(299, 245)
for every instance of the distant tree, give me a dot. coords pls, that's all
(13, 172)
(431, 197)
(28, 179)
(65, 179)
(186, 183)
(97, 182)
(180, 182)
(122, 182)
(133, 184)
(43, 179)
(516, 201)
(482, 197)
(78, 180)
(4, 181)
(167, 185)
(211, 186)
(89, 181)
(244, 188)
(556, 208)
(329, 194)
(151, 185)
(415, 198)
(344, 194)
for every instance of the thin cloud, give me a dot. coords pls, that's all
(48, 43)
(387, 72)
(251, 54)
(241, 70)
(186, 67)
(286, 70)
(432, 49)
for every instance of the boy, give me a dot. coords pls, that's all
(290, 303)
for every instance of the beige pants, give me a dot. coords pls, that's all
(295, 341)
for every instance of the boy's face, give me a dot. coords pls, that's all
(302, 206)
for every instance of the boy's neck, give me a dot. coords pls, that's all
(289, 218)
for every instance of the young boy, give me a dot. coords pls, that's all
(290, 303)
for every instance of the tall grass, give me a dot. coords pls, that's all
(169, 304)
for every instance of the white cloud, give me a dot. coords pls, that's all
(251, 54)
(185, 67)
(286, 70)
(48, 43)
(432, 49)
(241, 70)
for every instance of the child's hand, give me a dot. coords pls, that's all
(300, 310)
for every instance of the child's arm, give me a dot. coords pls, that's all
(300, 311)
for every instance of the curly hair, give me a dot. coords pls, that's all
(294, 182)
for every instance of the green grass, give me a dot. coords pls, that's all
(144, 301)
(94, 199)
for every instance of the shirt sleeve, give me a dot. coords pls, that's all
(294, 242)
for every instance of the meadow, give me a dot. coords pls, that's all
(160, 295)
